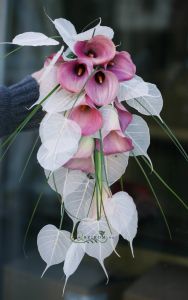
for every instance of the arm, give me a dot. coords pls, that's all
(14, 103)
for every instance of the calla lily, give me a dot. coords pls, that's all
(82, 160)
(83, 164)
(72, 75)
(125, 117)
(98, 50)
(122, 66)
(102, 87)
(85, 148)
(114, 140)
(68, 32)
(87, 117)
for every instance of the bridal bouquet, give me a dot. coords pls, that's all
(87, 137)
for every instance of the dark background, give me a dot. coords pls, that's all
(155, 32)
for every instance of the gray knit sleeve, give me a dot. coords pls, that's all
(14, 103)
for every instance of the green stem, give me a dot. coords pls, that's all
(98, 174)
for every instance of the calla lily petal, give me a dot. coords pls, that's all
(82, 160)
(83, 164)
(72, 75)
(114, 143)
(98, 49)
(110, 120)
(125, 117)
(85, 148)
(102, 88)
(122, 66)
(88, 118)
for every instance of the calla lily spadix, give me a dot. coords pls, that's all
(87, 137)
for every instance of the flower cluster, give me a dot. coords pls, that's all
(87, 136)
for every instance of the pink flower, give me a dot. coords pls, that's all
(115, 142)
(125, 117)
(72, 75)
(87, 117)
(98, 50)
(82, 164)
(102, 87)
(82, 160)
(122, 66)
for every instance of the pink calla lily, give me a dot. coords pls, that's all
(87, 117)
(72, 75)
(85, 148)
(83, 164)
(82, 160)
(99, 49)
(125, 117)
(115, 142)
(102, 87)
(122, 66)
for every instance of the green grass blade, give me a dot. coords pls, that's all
(167, 130)
(28, 159)
(167, 186)
(12, 137)
(11, 52)
(154, 194)
(30, 222)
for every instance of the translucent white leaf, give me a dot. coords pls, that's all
(33, 39)
(122, 215)
(46, 86)
(58, 179)
(115, 166)
(73, 258)
(65, 28)
(53, 245)
(62, 101)
(98, 239)
(78, 201)
(52, 63)
(98, 30)
(142, 96)
(138, 132)
(132, 88)
(60, 138)
(48, 160)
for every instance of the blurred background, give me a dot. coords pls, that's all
(155, 32)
